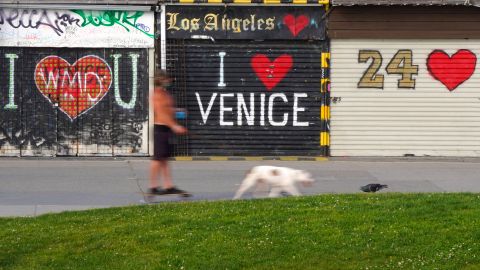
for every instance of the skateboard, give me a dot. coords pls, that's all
(150, 197)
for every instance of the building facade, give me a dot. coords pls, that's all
(75, 79)
(253, 77)
(249, 76)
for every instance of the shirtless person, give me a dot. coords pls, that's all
(165, 124)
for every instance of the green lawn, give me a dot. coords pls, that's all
(362, 231)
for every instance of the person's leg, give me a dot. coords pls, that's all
(166, 174)
(155, 167)
(168, 186)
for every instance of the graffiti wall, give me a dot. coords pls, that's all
(252, 99)
(405, 97)
(76, 28)
(73, 101)
(249, 77)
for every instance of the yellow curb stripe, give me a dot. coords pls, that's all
(289, 158)
(272, 2)
(187, 1)
(242, 1)
(215, 1)
(300, 1)
(218, 158)
(321, 159)
(254, 158)
(183, 158)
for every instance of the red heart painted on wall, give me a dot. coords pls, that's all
(295, 24)
(451, 71)
(271, 73)
(74, 88)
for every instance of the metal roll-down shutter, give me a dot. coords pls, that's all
(244, 112)
(405, 97)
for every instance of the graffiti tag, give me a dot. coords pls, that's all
(32, 18)
(127, 20)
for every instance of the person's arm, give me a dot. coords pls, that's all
(168, 109)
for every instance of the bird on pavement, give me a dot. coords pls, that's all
(373, 187)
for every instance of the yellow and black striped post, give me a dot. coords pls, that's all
(325, 104)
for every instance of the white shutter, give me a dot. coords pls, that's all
(427, 120)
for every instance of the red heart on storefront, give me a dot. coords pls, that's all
(451, 71)
(295, 24)
(271, 73)
(74, 88)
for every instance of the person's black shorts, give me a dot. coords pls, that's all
(162, 146)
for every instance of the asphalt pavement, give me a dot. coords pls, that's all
(35, 186)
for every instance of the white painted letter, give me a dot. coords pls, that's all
(118, 98)
(270, 110)
(296, 109)
(223, 109)
(242, 106)
(209, 108)
(262, 109)
(11, 87)
(222, 82)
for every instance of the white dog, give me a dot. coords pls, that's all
(280, 179)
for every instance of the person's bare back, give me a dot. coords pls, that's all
(164, 110)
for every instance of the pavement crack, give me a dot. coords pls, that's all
(134, 177)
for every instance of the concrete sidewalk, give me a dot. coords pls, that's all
(30, 187)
